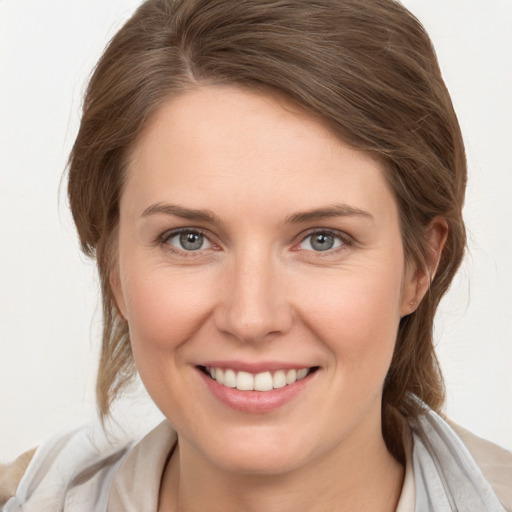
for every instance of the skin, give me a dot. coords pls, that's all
(258, 291)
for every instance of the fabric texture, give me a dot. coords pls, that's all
(86, 471)
(493, 460)
(72, 472)
(447, 478)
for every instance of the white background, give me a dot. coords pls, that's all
(49, 314)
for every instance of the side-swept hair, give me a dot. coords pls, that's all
(366, 67)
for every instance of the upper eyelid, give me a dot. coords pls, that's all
(164, 237)
(342, 235)
(169, 233)
(162, 241)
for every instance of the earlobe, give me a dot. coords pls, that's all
(419, 277)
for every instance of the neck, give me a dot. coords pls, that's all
(359, 474)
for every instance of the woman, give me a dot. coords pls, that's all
(273, 194)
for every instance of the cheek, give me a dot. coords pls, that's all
(165, 308)
(357, 314)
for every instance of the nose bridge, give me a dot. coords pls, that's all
(254, 303)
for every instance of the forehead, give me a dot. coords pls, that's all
(246, 148)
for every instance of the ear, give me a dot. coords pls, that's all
(417, 277)
(117, 291)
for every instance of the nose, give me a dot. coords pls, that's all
(254, 306)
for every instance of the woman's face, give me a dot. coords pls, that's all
(256, 246)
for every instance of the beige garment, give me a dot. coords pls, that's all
(135, 485)
(494, 461)
(11, 474)
(144, 466)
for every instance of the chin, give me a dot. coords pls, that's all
(258, 453)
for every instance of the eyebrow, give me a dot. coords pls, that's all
(180, 211)
(337, 210)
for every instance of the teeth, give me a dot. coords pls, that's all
(230, 379)
(279, 379)
(265, 381)
(302, 373)
(291, 376)
(244, 381)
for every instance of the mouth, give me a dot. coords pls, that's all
(262, 381)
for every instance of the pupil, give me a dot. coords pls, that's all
(191, 241)
(322, 242)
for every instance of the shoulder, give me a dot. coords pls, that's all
(494, 461)
(456, 469)
(11, 474)
(70, 469)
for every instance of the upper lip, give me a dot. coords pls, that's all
(255, 367)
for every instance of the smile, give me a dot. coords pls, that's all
(264, 381)
(256, 388)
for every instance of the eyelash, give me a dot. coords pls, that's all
(345, 239)
(164, 239)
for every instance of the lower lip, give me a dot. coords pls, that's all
(255, 401)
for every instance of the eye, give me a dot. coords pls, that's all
(321, 241)
(188, 240)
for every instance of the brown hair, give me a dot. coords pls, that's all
(366, 67)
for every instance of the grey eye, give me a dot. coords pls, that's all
(189, 241)
(320, 242)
